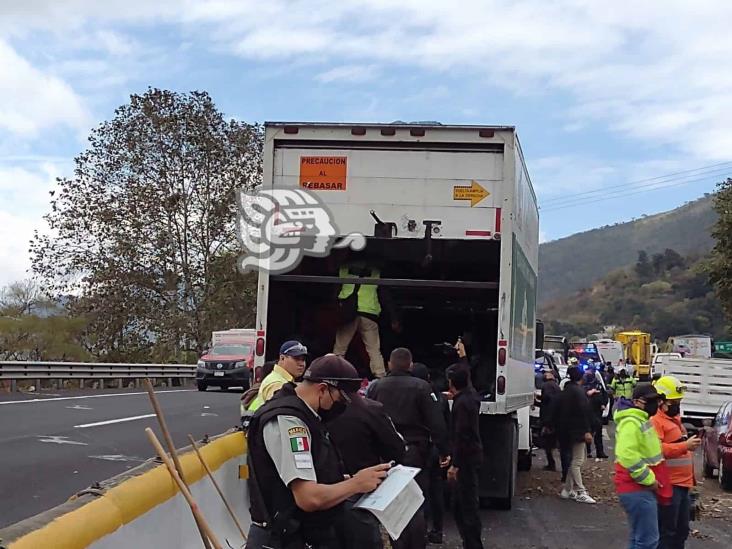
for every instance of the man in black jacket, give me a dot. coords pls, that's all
(435, 501)
(550, 393)
(574, 430)
(597, 396)
(364, 436)
(412, 406)
(467, 454)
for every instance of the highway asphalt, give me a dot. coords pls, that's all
(54, 444)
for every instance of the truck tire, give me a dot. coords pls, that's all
(725, 476)
(500, 460)
(708, 469)
(201, 386)
(524, 460)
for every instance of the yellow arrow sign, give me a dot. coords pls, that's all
(475, 193)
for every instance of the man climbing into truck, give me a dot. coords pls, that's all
(359, 310)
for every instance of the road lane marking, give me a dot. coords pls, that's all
(117, 457)
(60, 440)
(78, 407)
(96, 396)
(112, 421)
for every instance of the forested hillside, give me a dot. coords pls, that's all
(663, 293)
(579, 261)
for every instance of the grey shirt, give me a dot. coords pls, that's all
(288, 442)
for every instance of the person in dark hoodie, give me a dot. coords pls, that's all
(364, 436)
(597, 397)
(467, 455)
(550, 393)
(574, 429)
(435, 497)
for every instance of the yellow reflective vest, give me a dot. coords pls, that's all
(368, 297)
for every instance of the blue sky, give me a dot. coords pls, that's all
(603, 93)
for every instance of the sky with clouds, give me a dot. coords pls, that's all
(623, 108)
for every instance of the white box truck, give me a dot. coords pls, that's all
(692, 346)
(451, 219)
(708, 383)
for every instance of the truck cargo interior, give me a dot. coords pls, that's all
(441, 290)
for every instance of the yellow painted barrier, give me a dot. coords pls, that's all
(128, 500)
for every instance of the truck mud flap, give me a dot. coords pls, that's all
(499, 435)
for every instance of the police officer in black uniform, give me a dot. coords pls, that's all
(296, 482)
(364, 436)
(414, 409)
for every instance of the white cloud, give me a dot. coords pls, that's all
(25, 199)
(658, 71)
(31, 100)
(349, 74)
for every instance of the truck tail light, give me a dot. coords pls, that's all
(502, 356)
(259, 348)
(501, 385)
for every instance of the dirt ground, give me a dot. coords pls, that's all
(541, 520)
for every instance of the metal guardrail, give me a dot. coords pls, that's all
(37, 371)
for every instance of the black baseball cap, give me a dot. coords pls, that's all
(335, 371)
(645, 391)
(293, 348)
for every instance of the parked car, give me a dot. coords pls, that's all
(718, 446)
(229, 362)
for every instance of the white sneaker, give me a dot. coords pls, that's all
(584, 497)
(568, 494)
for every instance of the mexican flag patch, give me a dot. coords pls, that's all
(299, 444)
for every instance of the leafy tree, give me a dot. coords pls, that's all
(33, 328)
(643, 267)
(720, 264)
(143, 235)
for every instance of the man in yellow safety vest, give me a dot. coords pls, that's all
(367, 310)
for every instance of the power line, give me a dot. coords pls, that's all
(618, 194)
(711, 169)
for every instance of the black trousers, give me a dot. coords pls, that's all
(549, 441)
(467, 515)
(565, 454)
(262, 538)
(673, 520)
(357, 528)
(435, 499)
(414, 535)
(597, 436)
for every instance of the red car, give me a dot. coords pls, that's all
(226, 364)
(718, 446)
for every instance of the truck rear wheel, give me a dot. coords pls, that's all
(500, 460)
(524, 460)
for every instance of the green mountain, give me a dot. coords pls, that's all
(664, 294)
(570, 264)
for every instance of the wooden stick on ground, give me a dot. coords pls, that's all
(171, 446)
(200, 519)
(218, 488)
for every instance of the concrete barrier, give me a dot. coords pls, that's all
(143, 508)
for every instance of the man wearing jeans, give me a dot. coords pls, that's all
(573, 422)
(641, 479)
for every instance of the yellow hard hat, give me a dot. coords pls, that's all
(669, 387)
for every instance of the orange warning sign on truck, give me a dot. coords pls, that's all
(323, 173)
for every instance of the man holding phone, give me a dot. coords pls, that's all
(678, 450)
